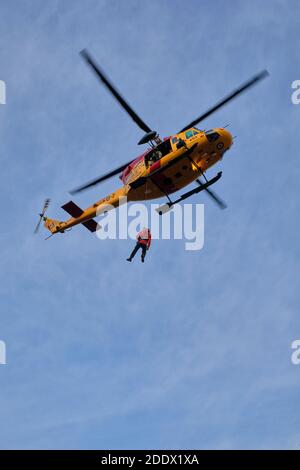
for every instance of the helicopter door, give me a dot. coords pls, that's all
(165, 147)
(158, 152)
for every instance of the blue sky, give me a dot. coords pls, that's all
(191, 349)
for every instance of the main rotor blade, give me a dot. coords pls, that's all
(216, 198)
(114, 92)
(213, 195)
(100, 179)
(228, 98)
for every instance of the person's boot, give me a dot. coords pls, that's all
(129, 259)
(143, 259)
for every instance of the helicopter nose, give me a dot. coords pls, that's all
(221, 138)
(226, 138)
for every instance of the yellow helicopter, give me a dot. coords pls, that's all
(166, 166)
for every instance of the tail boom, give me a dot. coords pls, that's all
(85, 217)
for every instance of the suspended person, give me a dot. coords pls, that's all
(143, 241)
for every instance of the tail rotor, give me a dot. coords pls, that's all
(42, 214)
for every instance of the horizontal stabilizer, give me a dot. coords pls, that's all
(75, 211)
(72, 209)
(91, 225)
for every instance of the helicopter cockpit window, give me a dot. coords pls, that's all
(212, 136)
(189, 134)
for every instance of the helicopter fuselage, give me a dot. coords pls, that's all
(162, 170)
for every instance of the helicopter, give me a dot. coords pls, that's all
(167, 166)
